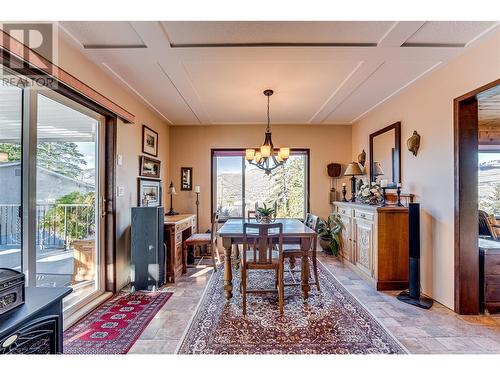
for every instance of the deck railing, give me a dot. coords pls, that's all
(57, 224)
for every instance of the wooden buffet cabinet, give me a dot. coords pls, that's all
(375, 243)
(177, 229)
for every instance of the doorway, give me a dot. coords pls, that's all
(467, 147)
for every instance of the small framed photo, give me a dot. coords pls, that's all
(149, 167)
(186, 178)
(149, 192)
(149, 141)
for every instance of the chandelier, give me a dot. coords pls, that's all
(266, 158)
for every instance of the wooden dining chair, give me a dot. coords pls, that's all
(250, 215)
(262, 250)
(292, 252)
(205, 239)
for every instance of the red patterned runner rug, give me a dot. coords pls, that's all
(114, 326)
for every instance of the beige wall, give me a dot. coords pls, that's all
(427, 106)
(129, 145)
(190, 147)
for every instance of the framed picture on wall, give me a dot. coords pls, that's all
(186, 178)
(149, 141)
(149, 167)
(149, 192)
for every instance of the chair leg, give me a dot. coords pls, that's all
(315, 269)
(281, 290)
(209, 247)
(292, 262)
(276, 277)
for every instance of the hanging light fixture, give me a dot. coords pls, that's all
(265, 157)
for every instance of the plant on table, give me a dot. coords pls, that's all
(265, 214)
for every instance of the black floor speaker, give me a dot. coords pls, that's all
(412, 295)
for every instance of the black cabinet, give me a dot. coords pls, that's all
(37, 326)
(147, 250)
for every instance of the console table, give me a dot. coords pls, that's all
(36, 327)
(375, 243)
(177, 229)
(489, 275)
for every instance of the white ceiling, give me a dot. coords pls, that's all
(321, 72)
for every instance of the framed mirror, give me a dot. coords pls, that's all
(385, 155)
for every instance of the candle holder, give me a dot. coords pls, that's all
(197, 206)
(344, 192)
(399, 204)
(383, 197)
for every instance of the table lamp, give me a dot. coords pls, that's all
(171, 192)
(353, 170)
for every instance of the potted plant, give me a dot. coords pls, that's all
(265, 214)
(329, 233)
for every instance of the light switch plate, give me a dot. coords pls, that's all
(119, 159)
(121, 191)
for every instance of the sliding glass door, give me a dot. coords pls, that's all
(67, 196)
(51, 227)
(11, 108)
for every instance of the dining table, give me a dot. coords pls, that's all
(294, 232)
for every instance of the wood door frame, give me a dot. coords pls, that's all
(466, 130)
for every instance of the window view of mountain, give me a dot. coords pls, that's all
(285, 185)
(489, 182)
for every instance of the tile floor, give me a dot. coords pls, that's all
(435, 331)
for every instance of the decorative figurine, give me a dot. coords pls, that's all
(362, 158)
(413, 143)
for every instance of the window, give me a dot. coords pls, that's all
(238, 185)
(489, 182)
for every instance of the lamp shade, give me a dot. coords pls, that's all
(249, 153)
(353, 169)
(377, 169)
(285, 152)
(171, 189)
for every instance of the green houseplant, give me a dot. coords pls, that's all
(265, 214)
(330, 234)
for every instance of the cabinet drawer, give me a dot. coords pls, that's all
(364, 215)
(492, 288)
(492, 265)
(344, 211)
(181, 226)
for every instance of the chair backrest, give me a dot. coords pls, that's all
(250, 215)
(215, 227)
(311, 221)
(485, 228)
(261, 240)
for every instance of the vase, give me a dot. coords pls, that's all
(266, 219)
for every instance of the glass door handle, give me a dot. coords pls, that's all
(103, 207)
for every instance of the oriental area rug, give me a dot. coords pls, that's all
(333, 321)
(115, 325)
